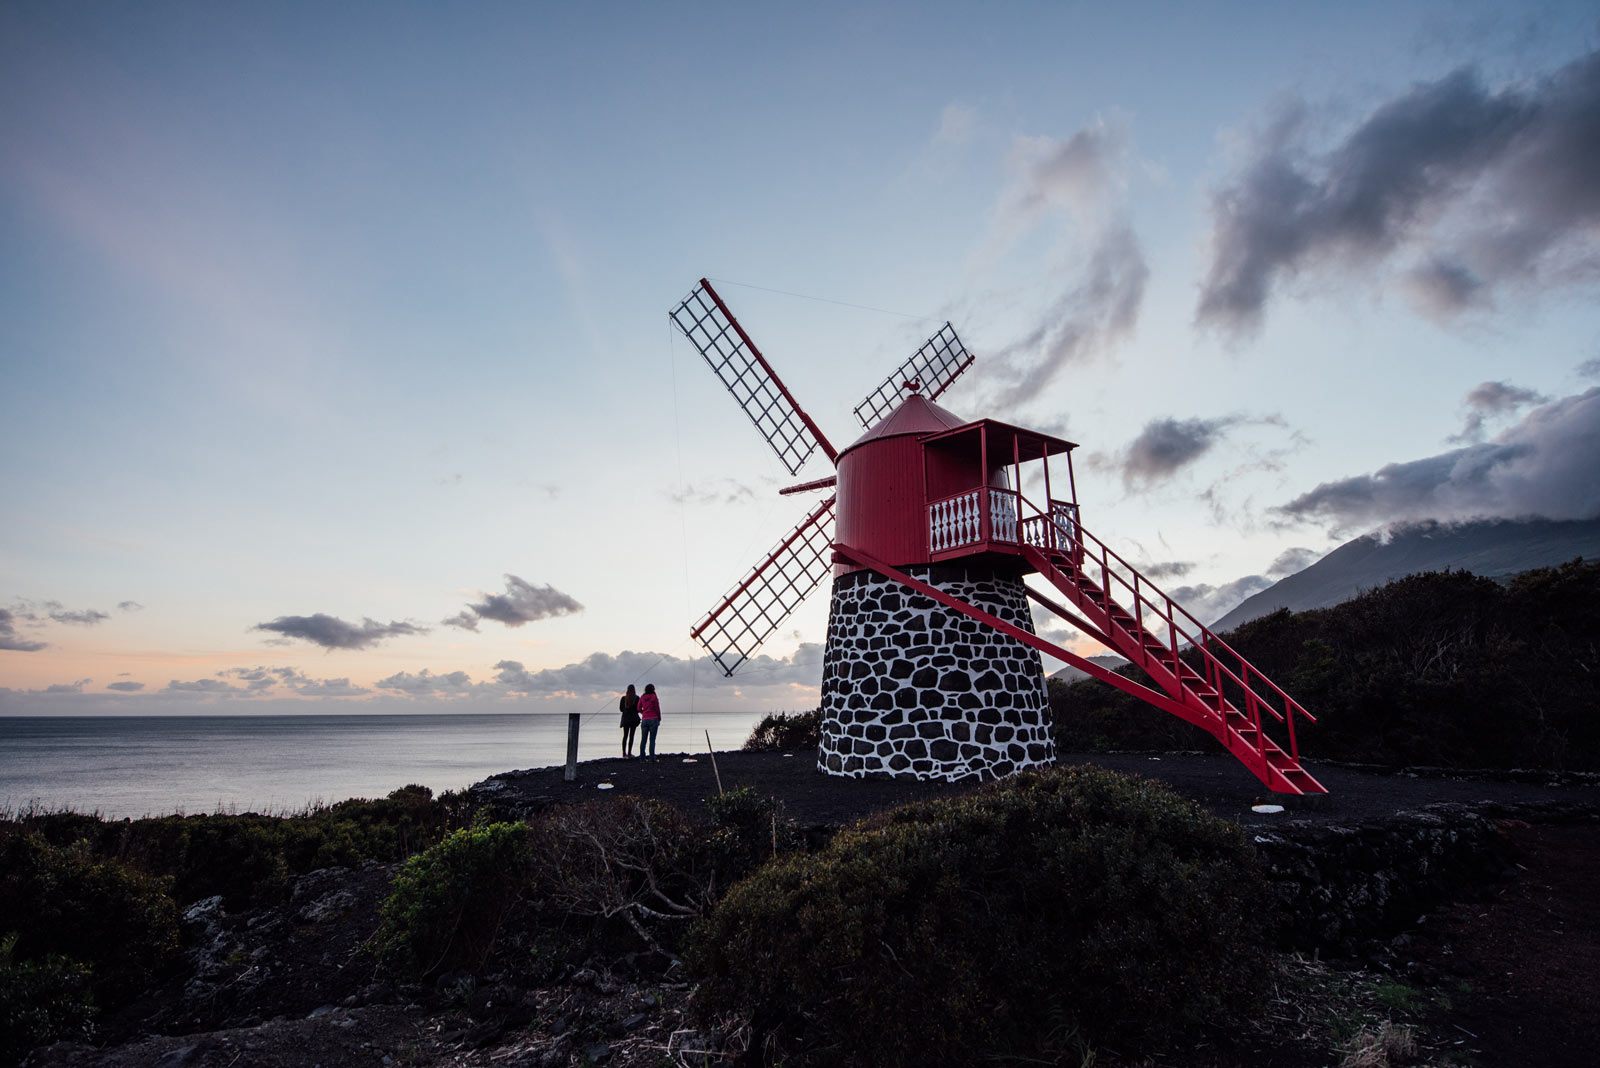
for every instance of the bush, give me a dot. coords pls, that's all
(750, 830)
(41, 1002)
(1048, 910)
(785, 730)
(625, 861)
(249, 858)
(62, 902)
(448, 903)
(1441, 668)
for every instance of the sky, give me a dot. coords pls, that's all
(338, 374)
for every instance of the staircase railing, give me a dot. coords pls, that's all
(1181, 627)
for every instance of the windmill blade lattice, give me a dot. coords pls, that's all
(934, 366)
(705, 321)
(759, 604)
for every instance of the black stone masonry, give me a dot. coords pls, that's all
(913, 689)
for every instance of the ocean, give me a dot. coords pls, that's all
(132, 766)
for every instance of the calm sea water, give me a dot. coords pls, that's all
(151, 765)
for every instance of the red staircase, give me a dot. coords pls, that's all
(1226, 695)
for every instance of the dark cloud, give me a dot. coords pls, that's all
(1589, 368)
(1166, 446)
(1209, 603)
(1468, 190)
(125, 687)
(129, 606)
(332, 633)
(1292, 561)
(87, 617)
(522, 603)
(1101, 309)
(10, 640)
(68, 687)
(1543, 466)
(1171, 569)
(1489, 400)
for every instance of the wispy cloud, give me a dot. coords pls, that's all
(332, 633)
(125, 687)
(1082, 179)
(1463, 189)
(714, 491)
(522, 603)
(1543, 466)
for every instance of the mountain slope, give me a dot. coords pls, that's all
(1491, 548)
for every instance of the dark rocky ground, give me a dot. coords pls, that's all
(1505, 975)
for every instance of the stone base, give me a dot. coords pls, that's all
(913, 689)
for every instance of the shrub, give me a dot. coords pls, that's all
(448, 903)
(62, 902)
(1073, 905)
(630, 861)
(41, 1001)
(249, 858)
(785, 730)
(750, 830)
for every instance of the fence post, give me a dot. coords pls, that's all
(572, 747)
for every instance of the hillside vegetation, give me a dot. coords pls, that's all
(1443, 668)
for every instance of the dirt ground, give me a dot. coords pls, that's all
(1509, 978)
(1215, 780)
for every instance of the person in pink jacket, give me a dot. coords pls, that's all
(649, 720)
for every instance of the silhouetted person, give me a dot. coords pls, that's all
(629, 706)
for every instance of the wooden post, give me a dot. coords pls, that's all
(714, 770)
(572, 747)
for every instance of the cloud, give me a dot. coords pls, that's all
(1466, 191)
(10, 640)
(125, 687)
(262, 680)
(68, 687)
(1292, 561)
(1209, 603)
(522, 603)
(957, 124)
(1543, 466)
(332, 633)
(87, 617)
(603, 673)
(1098, 304)
(1488, 400)
(1098, 311)
(717, 491)
(1170, 569)
(426, 684)
(207, 686)
(1166, 446)
(1589, 368)
(129, 606)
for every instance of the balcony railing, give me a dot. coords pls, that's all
(992, 515)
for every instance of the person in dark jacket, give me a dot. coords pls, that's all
(649, 720)
(629, 706)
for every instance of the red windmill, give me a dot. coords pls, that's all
(931, 666)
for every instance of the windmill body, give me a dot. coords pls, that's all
(932, 667)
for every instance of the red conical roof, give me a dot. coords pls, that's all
(916, 415)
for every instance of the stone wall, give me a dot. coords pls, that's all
(911, 688)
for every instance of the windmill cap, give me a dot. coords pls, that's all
(915, 415)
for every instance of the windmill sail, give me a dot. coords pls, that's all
(732, 631)
(706, 322)
(933, 367)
